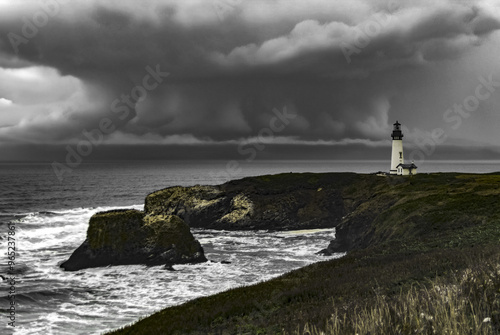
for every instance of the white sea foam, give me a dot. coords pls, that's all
(94, 300)
(38, 232)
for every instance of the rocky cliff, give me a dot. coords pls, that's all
(132, 237)
(406, 237)
(418, 212)
(279, 202)
(366, 210)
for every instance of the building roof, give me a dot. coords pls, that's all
(407, 166)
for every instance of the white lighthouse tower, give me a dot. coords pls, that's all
(397, 148)
(398, 165)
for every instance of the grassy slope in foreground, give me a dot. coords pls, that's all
(406, 236)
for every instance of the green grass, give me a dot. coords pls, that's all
(465, 302)
(310, 296)
(425, 261)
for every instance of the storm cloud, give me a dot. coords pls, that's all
(345, 69)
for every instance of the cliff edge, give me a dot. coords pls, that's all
(419, 212)
(366, 210)
(417, 245)
(406, 237)
(285, 201)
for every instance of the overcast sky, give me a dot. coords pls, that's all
(216, 77)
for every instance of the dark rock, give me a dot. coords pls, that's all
(279, 202)
(221, 262)
(131, 237)
(335, 246)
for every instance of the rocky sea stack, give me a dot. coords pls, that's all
(132, 237)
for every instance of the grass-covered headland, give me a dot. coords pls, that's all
(423, 258)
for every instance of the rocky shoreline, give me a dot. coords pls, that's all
(364, 209)
(400, 233)
(279, 202)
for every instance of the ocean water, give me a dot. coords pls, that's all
(51, 216)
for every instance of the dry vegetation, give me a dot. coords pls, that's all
(467, 302)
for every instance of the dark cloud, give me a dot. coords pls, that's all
(346, 69)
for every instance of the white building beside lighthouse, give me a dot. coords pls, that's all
(398, 165)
